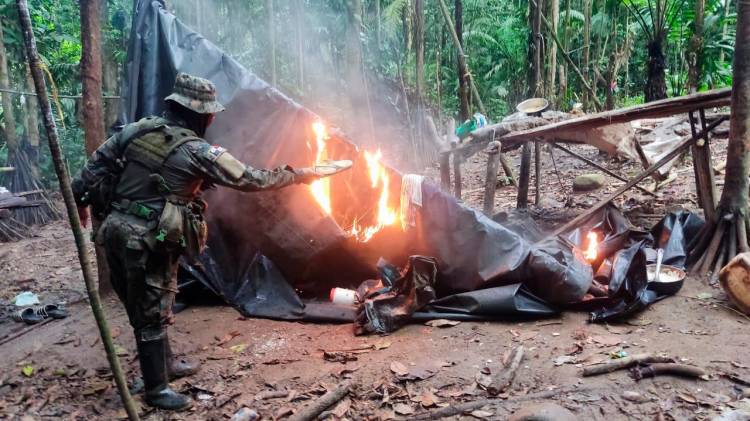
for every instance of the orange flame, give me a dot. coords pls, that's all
(590, 253)
(321, 189)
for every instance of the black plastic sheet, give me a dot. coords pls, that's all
(483, 269)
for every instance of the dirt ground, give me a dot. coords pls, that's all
(59, 371)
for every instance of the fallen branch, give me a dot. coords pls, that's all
(622, 363)
(461, 408)
(271, 394)
(310, 412)
(504, 379)
(658, 369)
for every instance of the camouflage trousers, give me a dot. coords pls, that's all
(145, 280)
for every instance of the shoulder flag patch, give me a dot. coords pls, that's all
(213, 152)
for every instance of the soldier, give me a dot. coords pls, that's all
(144, 183)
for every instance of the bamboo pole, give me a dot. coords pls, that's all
(84, 257)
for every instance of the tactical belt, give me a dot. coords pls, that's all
(135, 208)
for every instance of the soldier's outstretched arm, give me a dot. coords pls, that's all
(220, 167)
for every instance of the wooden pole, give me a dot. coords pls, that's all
(445, 170)
(522, 200)
(704, 172)
(11, 138)
(637, 179)
(456, 173)
(537, 173)
(84, 257)
(490, 184)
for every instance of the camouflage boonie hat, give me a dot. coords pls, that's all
(195, 93)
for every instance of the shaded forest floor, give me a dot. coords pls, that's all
(244, 357)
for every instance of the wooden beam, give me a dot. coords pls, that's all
(662, 108)
(684, 144)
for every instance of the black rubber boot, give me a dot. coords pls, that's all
(152, 355)
(179, 366)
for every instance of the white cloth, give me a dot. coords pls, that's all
(411, 199)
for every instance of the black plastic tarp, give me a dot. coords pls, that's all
(266, 248)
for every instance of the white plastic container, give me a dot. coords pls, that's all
(343, 296)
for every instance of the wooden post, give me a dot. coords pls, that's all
(84, 257)
(537, 172)
(704, 172)
(445, 170)
(490, 184)
(522, 201)
(456, 173)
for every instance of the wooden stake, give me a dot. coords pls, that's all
(490, 184)
(522, 200)
(312, 411)
(84, 257)
(445, 171)
(456, 174)
(537, 173)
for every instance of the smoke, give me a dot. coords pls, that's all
(320, 65)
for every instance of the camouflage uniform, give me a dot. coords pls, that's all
(143, 264)
(157, 168)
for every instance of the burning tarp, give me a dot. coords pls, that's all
(265, 248)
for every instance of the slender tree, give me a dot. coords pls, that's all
(463, 85)
(695, 55)
(11, 138)
(554, 14)
(726, 235)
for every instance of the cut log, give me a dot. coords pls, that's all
(490, 184)
(504, 378)
(311, 412)
(735, 279)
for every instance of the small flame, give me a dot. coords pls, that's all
(590, 253)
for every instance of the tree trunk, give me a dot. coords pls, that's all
(32, 123)
(463, 86)
(271, 27)
(554, 13)
(695, 54)
(587, 49)
(298, 13)
(656, 84)
(726, 235)
(534, 79)
(419, 48)
(93, 112)
(354, 71)
(378, 26)
(11, 138)
(110, 85)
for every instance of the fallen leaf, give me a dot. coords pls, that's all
(483, 379)
(528, 335)
(564, 359)
(704, 296)
(399, 368)
(344, 371)
(120, 351)
(27, 370)
(283, 412)
(237, 349)
(442, 323)
(381, 345)
(428, 399)
(639, 322)
(481, 414)
(403, 409)
(385, 414)
(342, 408)
(606, 340)
(228, 337)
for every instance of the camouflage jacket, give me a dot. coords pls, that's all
(189, 168)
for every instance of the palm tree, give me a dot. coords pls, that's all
(655, 18)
